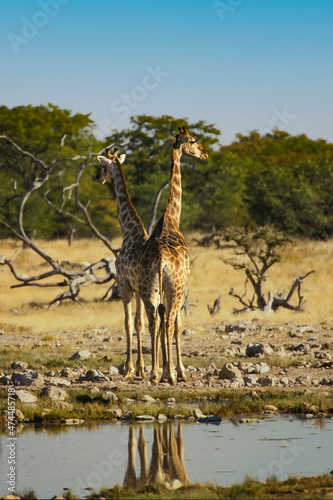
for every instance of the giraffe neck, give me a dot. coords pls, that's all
(130, 223)
(174, 205)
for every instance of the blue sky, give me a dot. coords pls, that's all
(240, 64)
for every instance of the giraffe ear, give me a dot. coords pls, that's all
(168, 144)
(122, 158)
(103, 160)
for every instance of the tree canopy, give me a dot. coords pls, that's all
(278, 179)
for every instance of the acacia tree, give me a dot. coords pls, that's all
(257, 253)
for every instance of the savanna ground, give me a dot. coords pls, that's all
(47, 338)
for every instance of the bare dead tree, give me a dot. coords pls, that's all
(74, 280)
(216, 306)
(256, 254)
(187, 304)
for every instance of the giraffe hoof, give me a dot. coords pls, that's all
(181, 378)
(140, 373)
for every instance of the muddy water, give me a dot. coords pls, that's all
(104, 454)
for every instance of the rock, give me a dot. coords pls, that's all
(270, 408)
(113, 370)
(249, 421)
(279, 350)
(211, 419)
(229, 371)
(59, 382)
(174, 484)
(266, 381)
(145, 418)
(128, 401)
(5, 379)
(304, 380)
(284, 381)
(109, 396)
(250, 380)
(198, 413)
(161, 417)
(211, 367)
(67, 373)
(64, 405)
(187, 333)
(127, 415)
(170, 401)
(19, 365)
(258, 350)
(241, 327)
(148, 399)
(308, 408)
(54, 394)
(27, 378)
(114, 412)
(261, 368)
(25, 396)
(85, 354)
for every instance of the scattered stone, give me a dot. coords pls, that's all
(229, 371)
(211, 419)
(64, 405)
(114, 412)
(174, 484)
(187, 333)
(279, 350)
(109, 396)
(59, 382)
(25, 396)
(308, 408)
(284, 381)
(148, 399)
(54, 394)
(161, 417)
(258, 350)
(28, 378)
(250, 380)
(198, 413)
(270, 408)
(241, 327)
(67, 373)
(113, 370)
(128, 401)
(304, 380)
(145, 418)
(127, 415)
(170, 401)
(84, 354)
(5, 379)
(19, 365)
(19, 415)
(267, 381)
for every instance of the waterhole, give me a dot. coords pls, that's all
(103, 454)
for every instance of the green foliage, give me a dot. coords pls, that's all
(278, 179)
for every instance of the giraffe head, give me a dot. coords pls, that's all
(108, 165)
(187, 144)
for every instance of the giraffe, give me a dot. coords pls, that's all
(164, 265)
(134, 238)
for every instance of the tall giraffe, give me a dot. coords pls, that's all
(164, 265)
(134, 238)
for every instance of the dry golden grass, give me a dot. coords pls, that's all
(209, 278)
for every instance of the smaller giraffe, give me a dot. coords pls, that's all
(134, 238)
(164, 266)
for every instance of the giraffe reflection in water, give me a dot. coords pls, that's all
(167, 456)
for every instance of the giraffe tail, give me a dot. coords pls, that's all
(161, 313)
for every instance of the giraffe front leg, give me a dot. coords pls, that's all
(140, 367)
(128, 371)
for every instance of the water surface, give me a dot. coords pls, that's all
(102, 455)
